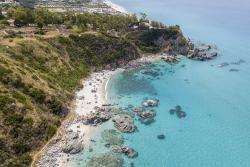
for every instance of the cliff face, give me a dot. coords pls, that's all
(170, 40)
(38, 79)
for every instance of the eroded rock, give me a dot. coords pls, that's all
(129, 152)
(202, 53)
(150, 103)
(97, 117)
(72, 144)
(124, 123)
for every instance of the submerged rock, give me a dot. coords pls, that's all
(178, 111)
(181, 114)
(238, 62)
(124, 123)
(172, 111)
(170, 59)
(234, 70)
(147, 114)
(105, 160)
(112, 137)
(223, 64)
(147, 121)
(129, 152)
(151, 73)
(161, 136)
(137, 109)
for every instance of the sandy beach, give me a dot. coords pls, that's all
(93, 94)
(115, 6)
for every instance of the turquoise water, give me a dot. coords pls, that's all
(216, 131)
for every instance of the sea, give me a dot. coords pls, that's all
(215, 94)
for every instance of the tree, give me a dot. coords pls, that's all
(39, 22)
(1, 14)
(143, 18)
(155, 24)
(22, 16)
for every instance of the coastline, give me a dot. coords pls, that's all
(94, 89)
(115, 7)
(92, 94)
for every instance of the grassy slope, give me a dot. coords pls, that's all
(38, 79)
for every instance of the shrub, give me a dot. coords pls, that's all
(38, 95)
(51, 130)
(20, 148)
(20, 161)
(35, 77)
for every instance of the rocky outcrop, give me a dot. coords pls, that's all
(137, 109)
(170, 59)
(95, 118)
(150, 103)
(202, 53)
(72, 143)
(129, 152)
(147, 114)
(124, 123)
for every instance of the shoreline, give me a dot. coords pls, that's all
(115, 7)
(94, 89)
(93, 94)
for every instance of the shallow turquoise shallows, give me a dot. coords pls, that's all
(216, 130)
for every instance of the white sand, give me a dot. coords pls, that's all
(93, 93)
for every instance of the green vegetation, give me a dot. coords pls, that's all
(39, 74)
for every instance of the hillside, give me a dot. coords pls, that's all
(41, 69)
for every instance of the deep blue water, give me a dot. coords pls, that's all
(216, 131)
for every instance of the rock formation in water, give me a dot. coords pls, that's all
(105, 160)
(202, 53)
(94, 118)
(72, 144)
(124, 123)
(150, 103)
(129, 152)
(178, 111)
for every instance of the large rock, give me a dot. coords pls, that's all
(72, 144)
(124, 123)
(97, 117)
(150, 103)
(202, 53)
(147, 114)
